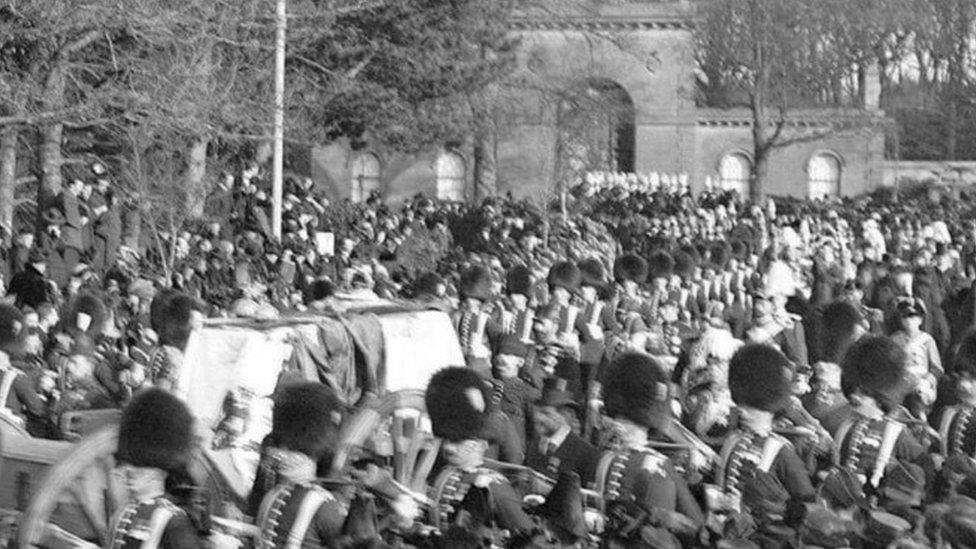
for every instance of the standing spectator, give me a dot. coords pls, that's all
(108, 232)
(22, 245)
(75, 222)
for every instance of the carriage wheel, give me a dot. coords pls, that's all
(79, 495)
(395, 427)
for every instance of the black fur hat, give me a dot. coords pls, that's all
(637, 388)
(86, 314)
(170, 316)
(476, 283)
(760, 377)
(630, 267)
(518, 281)
(592, 273)
(564, 275)
(12, 330)
(158, 308)
(877, 366)
(660, 265)
(964, 361)
(306, 419)
(836, 335)
(427, 284)
(457, 403)
(156, 431)
(718, 255)
(739, 249)
(684, 264)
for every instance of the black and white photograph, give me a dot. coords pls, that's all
(487, 274)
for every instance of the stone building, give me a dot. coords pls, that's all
(613, 87)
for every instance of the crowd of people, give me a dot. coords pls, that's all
(666, 369)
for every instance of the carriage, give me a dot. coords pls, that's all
(378, 355)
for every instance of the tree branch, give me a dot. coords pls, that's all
(38, 118)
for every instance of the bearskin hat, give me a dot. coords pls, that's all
(877, 366)
(476, 283)
(158, 306)
(718, 255)
(156, 431)
(513, 346)
(660, 265)
(518, 281)
(637, 389)
(964, 361)
(760, 377)
(306, 419)
(564, 275)
(739, 249)
(86, 315)
(457, 402)
(592, 273)
(684, 264)
(630, 267)
(171, 316)
(837, 332)
(427, 284)
(12, 332)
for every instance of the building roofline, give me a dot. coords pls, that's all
(797, 118)
(607, 16)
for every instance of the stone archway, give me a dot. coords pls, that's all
(596, 129)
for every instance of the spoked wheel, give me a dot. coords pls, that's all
(397, 429)
(75, 502)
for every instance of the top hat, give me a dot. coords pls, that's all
(53, 216)
(557, 393)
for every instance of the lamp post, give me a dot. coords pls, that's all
(278, 162)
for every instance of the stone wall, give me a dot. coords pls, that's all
(646, 48)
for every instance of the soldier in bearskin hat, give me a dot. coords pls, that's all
(519, 304)
(755, 460)
(595, 320)
(18, 396)
(629, 274)
(173, 316)
(472, 318)
(286, 500)
(874, 434)
(458, 403)
(660, 269)
(156, 444)
(957, 423)
(635, 479)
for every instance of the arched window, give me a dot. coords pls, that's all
(735, 174)
(365, 176)
(450, 176)
(824, 173)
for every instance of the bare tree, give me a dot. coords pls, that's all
(775, 57)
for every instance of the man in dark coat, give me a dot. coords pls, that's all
(17, 394)
(556, 448)
(75, 222)
(29, 286)
(108, 232)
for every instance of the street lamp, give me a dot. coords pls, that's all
(278, 162)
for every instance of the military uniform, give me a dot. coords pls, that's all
(634, 479)
(957, 431)
(472, 318)
(170, 317)
(458, 404)
(453, 485)
(156, 441)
